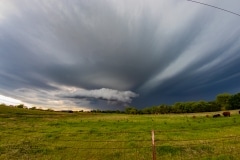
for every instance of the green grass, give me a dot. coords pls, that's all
(35, 134)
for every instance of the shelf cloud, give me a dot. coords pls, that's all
(102, 94)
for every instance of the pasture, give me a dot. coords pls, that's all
(35, 134)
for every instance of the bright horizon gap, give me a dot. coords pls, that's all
(9, 100)
(12, 101)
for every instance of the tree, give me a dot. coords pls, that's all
(33, 108)
(234, 102)
(223, 100)
(21, 106)
(146, 110)
(213, 106)
(200, 106)
(131, 110)
(182, 107)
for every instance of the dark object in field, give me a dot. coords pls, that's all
(239, 112)
(226, 114)
(67, 111)
(193, 116)
(207, 116)
(216, 115)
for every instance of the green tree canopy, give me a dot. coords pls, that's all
(223, 100)
(234, 102)
(131, 110)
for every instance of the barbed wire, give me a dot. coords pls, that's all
(195, 129)
(90, 132)
(192, 143)
(88, 148)
(188, 140)
(138, 140)
(85, 132)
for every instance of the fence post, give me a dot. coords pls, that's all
(153, 146)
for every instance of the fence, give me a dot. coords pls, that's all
(145, 145)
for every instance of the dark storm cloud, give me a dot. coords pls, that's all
(162, 51)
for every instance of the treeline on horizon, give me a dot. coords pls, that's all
(224, 101)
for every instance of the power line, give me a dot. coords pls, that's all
(215, 7)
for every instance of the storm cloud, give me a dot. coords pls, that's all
(86, 54)
(103, 93)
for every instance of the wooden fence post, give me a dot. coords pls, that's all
(153, 146)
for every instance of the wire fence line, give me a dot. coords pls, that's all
(128, 132)
(129, 140)
(123, 146)
(189, 140)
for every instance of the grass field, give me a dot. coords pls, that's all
(35, 134)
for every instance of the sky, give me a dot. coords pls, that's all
(109, 54)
